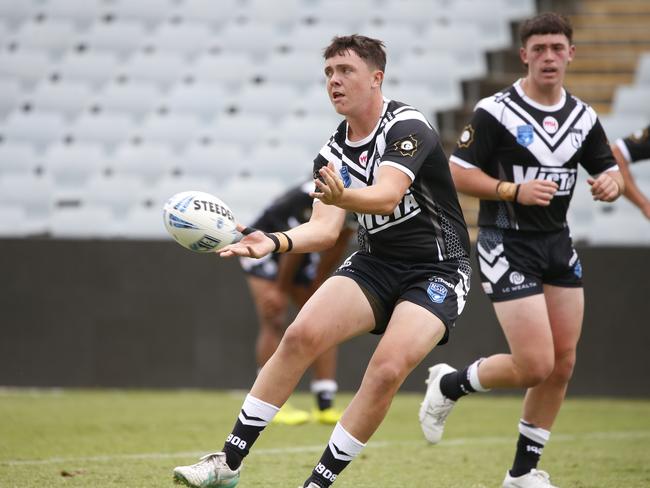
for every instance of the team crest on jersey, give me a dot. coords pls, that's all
(525, 135)
(576, 137)
(345, 176)
(466, 137)
(407, 146)
(550, 124)
(437, 292)
(363, 159)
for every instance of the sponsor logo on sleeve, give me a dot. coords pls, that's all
(466, 137)
(407, 146)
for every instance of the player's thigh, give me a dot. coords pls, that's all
(526, 325)
(270, 302)
(566, 310)
(411, 334)
(336, 312)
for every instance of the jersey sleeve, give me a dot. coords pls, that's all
(636, 147)
(477, 142)
(408, 142)
(597, 155)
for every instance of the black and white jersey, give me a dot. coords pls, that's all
(427, 225)
(513, 138)
(636, 147)
(290, 209)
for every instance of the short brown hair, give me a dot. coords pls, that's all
(546, 23)
(368, 49)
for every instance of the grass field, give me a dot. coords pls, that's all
(108, 438)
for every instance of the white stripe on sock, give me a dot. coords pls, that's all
(342, 445)
(473, 376)
(254, 407)
(541, 436)
(318, 386)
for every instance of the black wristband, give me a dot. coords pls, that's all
(289, 242)
(275, 240)
(516, 193)
(248, 230)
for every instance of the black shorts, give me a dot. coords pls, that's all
(441, 288)
(267, 268)
(516, 264)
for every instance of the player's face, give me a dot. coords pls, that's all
(547, 57)
(350, 82)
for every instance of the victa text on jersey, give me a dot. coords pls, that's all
(406, 209)
(564, 177)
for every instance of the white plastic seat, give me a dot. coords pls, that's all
(619, 228)
(144, 223)
(53, 36)
(642, 77)
(34, 194)
(38, 128)
(18, 12)
(489, 17)
(150, 12)
(163, 68)
(18, 158)
(119, 36)
(249, 37)
(296, 67)
(417, 95)
(632, 100)
(314, 101)
(25, 65)
(219, 162)
(247, 197)
(397, 37)
(81, 13)
(176, 130)
(236, 129)
(148, 161)
(186, 37)
(133, 97)
(68, 98)
(311, 132)
(312, 38)
(117, 193)
(204, 99)
(94, 67)
(289, 162)
(417, 13)
(84, 222)
(270, 99)
(229, 68)
(162, 191)
(105, 128)
(349, 15)
(277, 12)
(621, 125)
(14, 222)
(72, 165)
(215, 14)
(11, 95)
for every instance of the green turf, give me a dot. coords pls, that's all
(133, 439)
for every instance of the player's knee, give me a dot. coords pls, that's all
(535, 372)
(386, 376)
(301, 340)
(564, 366)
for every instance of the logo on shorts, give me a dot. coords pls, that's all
(525, 134)
(577, 269)
(437, 292)
(487, 287)
(516, 278)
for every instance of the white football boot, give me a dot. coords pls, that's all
(211, 471)
(436, 407)
(533, 479)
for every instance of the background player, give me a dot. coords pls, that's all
(631, 149)
(519, 155)
(408, 281)
(277, 279)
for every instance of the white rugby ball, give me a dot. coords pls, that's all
(199, 221)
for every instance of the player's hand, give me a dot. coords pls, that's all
(536, 192)
(254, 245)
(330, 187)
(604, 188)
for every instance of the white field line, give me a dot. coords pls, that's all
(275, 451)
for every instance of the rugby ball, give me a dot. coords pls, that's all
(199, 221)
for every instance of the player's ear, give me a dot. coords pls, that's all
(377, 78)
(572, 52)
(523, 55)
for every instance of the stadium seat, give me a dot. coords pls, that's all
(68, 98)
(72, 165)
(168, 186)
(19, 158)
(279, 12)
(290, 163)
(163, 68)
(84, 222)
(107, 128)
(349, 15)
(417, 95)
(314, 101)
(147, 161)
(177, 130)
(117, 193)
(247, 197)
(14, 222)
(252, 38)
(642, 77)
(490, 18)
(82, 14)
(18, 12)
(219, 162)
(313, 38)
(268, 99)
(203, 99)
(298, 68)
(144, 223)
(621, 125)
(397, 37)
(619, 228)
(135, 98)
(39, 128)
(11, 95)
(119, 36)
(52, 36)
(229, 68)
(27, 66)
(149, 12)
(34, 194)
(215, 14)
(417, 13)
(183, 37)
(242, 129)
(94, 67)
(632, 100)
(311, 131)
